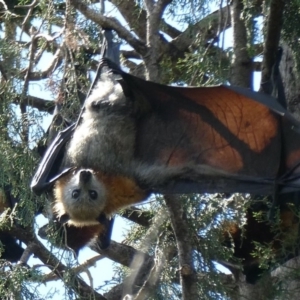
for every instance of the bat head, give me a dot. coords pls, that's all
(80, 198)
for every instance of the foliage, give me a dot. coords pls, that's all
(49, 50)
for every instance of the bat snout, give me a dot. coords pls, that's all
(85, 176)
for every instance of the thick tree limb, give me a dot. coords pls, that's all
(207, 28)
(154, 14)
(241, 72)
(130, 54)
(169, 30)
(274, 25)
(120, 253)
(188, 277)
(134, 16)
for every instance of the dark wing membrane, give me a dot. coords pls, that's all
(49, 168)
(245, 136)
(104, 237)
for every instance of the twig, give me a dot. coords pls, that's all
(80, 286)
(107, 22)
(27, 253)
(31, 7)
(77, 270)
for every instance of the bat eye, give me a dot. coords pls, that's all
(93, 194)
(75, 194)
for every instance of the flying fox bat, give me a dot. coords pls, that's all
(280, 236)
(134, 137)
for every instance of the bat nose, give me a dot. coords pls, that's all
(85, 176)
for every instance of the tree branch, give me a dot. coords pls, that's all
(138, 216)
(111, 23)
(241, 72)
(154, 41)
(207, 29)
(169, 30)
(27, 237)
(150, 285)
(35, 102)
(130, 54)
(188, 277)
(125, 255)
(120, 253)
(134, 15)
(274, 25)
(54, 64)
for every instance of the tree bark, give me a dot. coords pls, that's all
(290, 80)
(188, 277)
(241, 72)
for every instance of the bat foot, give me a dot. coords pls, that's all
(105, 62)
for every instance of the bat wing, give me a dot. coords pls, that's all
(105, 235)
(49, 168)
(230, 139)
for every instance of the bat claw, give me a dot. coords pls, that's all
(105, 62)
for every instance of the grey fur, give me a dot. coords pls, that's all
(104, 141)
